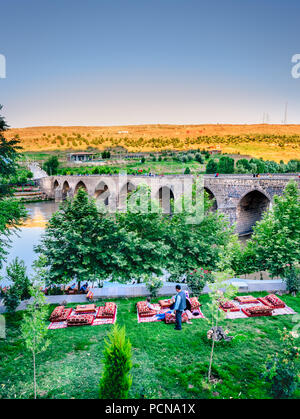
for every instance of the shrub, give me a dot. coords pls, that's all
(11, 299)
(115, 382)
(281, 369)
(292, 278)
(197, 279)
(211, 167)
(153, 284)
(20, 288)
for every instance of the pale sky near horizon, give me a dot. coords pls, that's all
(123, 62)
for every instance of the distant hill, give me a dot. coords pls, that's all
(274, 142)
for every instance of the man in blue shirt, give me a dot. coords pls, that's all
(180, 306)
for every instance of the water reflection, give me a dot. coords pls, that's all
(24, 240)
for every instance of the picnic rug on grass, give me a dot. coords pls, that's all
(96, 322)
(155, 319)
(241, 315)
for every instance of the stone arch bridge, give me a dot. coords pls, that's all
(242, 198)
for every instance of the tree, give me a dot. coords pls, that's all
(211, 167)
(187, 171)
(11, 210)
(34, 329)
(19, 289)
(51, 165)
(226, 165)
(81, 243)
(115, 382)
(143, 245)
(243, 166)
(275, 243)
(220, 289)
(195, 245)
(199, 158)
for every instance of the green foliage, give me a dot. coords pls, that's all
(115, 382)
(81, 243)
(19, 288)
(34, 328)
(275, 242)
(197, 279)
(282, 369)
(187, 171)
(51, 165)
(291, 276)
(143, 226)
(153, 284)
(11, 299)
(105, 154)
(11, 210)
(226, 165)
(220, 289)
(196, 236)
(211, 167)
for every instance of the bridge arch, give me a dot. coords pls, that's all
(65, 190)
(250, 209)
(55, 184)
(125, 190)
(102, 192)
(212, 197)
(166, 197)
(79, 185)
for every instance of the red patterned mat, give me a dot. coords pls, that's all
(96, 322)
(240, 315)
(155, 319)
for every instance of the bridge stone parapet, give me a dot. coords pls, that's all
(242, 198)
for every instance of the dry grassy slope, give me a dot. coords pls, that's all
(45, 138)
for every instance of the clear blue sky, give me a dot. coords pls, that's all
(109, 62)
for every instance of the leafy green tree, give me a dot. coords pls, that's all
(211, 167)
(187, 171)
(19, 288)
(81, 243)
(143, 245)
(34, 329)
(199, 158)
(226, 165)
(195, 245)
(116, 381)
(243, 166)
(51, 165)
(275, 243)
(220, 289)
(257, 166)
(11, 210)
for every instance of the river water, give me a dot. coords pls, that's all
(29, 234)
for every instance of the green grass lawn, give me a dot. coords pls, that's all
(166, 363)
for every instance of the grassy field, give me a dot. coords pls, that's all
(232, 139)
(166, 363)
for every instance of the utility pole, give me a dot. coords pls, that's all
(285, 114)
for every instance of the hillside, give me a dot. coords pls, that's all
(274, 142)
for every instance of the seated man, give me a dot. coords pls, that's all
(151, 306)
(83, 288)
